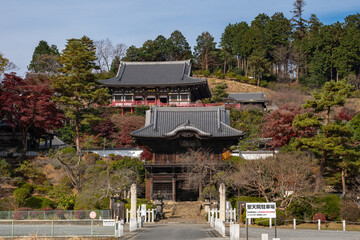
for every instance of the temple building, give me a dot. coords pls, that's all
(245, 99)
(170, 132)
(156, 83)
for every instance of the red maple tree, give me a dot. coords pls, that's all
(27, 106)
(278, 125)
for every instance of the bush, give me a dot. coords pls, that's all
(91, 158)
(330, 206)
(206, 73)
(140, 110)
(140, 201)
(4, 168)
(36, 202)
(21, 194)
(350, 213)
(318, 216)
(301, 210)
(230, 74)
(280, 219)
(22, 213)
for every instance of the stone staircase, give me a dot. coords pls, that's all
(185, 212)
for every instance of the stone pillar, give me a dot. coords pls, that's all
(222, 202)
(133, 201)
(133, 220)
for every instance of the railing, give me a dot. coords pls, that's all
(53, 214)
(158, 103)
(148, 215)
(230, 215)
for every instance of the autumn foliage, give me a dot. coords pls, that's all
(27, 106)
(125, 124)
(278, 125)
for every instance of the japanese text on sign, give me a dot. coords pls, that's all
(260, 210)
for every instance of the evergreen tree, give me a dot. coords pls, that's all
(334, 139)
(179, 48)
(205, 50)
(76, 84)
(44, 59)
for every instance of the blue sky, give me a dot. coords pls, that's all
(24, 23)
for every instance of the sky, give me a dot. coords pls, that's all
(24, 23)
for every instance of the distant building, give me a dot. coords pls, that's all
(257, 99)
(156, 83)
(170, 132)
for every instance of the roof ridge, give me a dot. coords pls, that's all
(159, 62)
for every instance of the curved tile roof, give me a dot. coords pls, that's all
(214, 121)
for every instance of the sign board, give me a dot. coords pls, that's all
(143, 209)
(93, 215)
(260, 210)
(109, 222)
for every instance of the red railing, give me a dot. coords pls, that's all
(158, 103)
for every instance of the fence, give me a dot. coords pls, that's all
(230, 215)
(53, 214)
(59, 228)
(147, 214)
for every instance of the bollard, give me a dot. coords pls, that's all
(294, 223)
(152, 215)
(319, 224)
(12, 228)
(91, 227)
(270, 223)
(119, 229)
(52, 228)
(344, 225)
(264, 236)
(234, 231)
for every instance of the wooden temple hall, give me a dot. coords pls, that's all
(172, 131)
(155, 83)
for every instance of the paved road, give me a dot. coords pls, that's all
(175, 232)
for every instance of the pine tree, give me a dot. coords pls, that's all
(334, 139)
(76, 84)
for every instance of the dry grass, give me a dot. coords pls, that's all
(235, 87)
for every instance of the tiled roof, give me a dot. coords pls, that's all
(205, 121)
(153, 74)
(248, 97)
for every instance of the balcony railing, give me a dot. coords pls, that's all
(158, 103)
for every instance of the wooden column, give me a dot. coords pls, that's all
(151, 187)
(174, 188)
(200, 191)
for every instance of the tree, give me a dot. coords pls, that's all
(106, 52)
(334, 139)
(5, 65)
(44, 59)
(278, 126)
(201, 171)
(27, 106)
(179, 48)
(219, 93)
(76, 84)
(124, 125)
(283, 178)
(205, 49)
(299, 21)
(260, 65)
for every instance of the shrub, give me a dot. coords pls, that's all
(330, 206)
(91, 158)
(36, 202)
(230, 74)
(318, 216)
(140, 110)
(301, 210)
(4, 168)
(21, 194)
(206, 73)
(22, 213)
(350, 213)
(280, 219)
